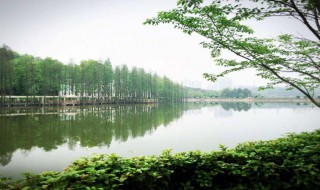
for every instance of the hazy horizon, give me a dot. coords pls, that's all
(82, 29)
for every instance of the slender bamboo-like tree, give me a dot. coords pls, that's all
(29, 76)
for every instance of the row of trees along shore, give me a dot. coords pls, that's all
(25, 75)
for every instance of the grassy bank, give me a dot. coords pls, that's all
(292, 162)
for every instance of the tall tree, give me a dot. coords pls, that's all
(50, 79)
(89, 77)
(98, 75)
(154, 86)
(27, 75)
(142, 83)
(6, 71)
(133, 83)
(108, 77)
(117, 82)
(124, 80)
(286, 59)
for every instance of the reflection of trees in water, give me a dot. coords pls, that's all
(227, 106)
(88, 127)
(5, 158)
(236, 106)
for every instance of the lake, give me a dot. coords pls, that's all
(40, 139)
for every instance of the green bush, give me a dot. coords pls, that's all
(292, 162)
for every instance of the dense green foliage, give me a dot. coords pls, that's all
(289, 59)
(6, 70)
(27, 76)
(292, 162)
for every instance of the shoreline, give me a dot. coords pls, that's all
(248, 100)
(54, 101)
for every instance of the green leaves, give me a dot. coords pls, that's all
(189, 3)
(291, 162)
(286, 59)
(94, 81)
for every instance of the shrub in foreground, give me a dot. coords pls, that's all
(292, 162)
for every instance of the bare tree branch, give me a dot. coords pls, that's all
(316, 18)
(305, 21)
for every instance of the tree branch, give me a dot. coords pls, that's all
(281, 2)
(225, 46)
(302, 72)
(316, 19)
(269, 68)
(305, 21)
(292, 84)
(313, 63)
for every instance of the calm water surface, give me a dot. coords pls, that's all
(36, 140)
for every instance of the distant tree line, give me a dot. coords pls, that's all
(29, 76)
(201, 93)
(236, 93)
(225, 93)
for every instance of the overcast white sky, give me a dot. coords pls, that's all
(101, 29)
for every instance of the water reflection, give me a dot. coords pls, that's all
(50, 128)
(90, 127)
(236, 106)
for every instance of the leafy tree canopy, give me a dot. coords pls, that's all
(26, 75)
(287, 59)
